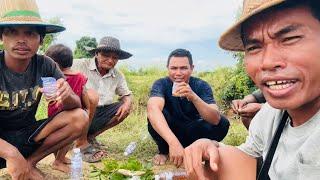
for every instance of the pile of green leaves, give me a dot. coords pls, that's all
(111, 167)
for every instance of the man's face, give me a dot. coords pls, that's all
(179, 69)
(21, 42)
(282, 56)
(107, 60)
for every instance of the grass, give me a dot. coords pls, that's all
(134, 128)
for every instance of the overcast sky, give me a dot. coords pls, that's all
(149, 29)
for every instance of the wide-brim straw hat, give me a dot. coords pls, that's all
(231, 39)
(24, 13)
(109, 43)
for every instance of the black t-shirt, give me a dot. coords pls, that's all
(19, 92)
(181, 108)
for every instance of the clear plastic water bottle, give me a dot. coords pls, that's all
(76, 165)
(170, 175)
(130, 148)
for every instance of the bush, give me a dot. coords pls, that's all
(229, 83)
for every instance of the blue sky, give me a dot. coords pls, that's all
(149, 29)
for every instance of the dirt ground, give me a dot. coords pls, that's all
(45, 166)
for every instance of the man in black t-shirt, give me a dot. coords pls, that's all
(23, 140)
(181, 109)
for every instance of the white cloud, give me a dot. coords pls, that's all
(163, 22)
(147, 28)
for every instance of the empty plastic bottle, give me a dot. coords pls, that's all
(130, 148)
(170, 175)
(76, 165)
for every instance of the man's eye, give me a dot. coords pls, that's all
(31, 33)
(252, 49)
(10, 31)
(291, 39)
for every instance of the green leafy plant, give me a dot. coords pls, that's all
(111, 167)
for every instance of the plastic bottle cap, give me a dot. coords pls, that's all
(76, 150)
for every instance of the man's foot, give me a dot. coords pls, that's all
(91, 154)
(35, 173)
(160, 159)
(60, 166)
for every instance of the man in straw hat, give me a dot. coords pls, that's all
(281, 41)
(23, 140)
(104, 83)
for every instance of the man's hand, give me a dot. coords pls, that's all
(123, 111)
(63, 90)
(238, 104)
(17, 166)
(250, 110)
(199, 151)
(184, 90)
(176, 152)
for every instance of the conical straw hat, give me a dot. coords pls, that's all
(24, 12)
(231, 39)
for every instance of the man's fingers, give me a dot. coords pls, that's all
(180, 162)
(118, 112)
(187, 160)
(235, 105)
(214, 159)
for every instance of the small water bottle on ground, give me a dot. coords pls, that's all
(130, 148)
(76, 165)
(170, 175)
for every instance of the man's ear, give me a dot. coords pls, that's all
(192, 67)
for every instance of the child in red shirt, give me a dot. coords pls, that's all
(63, 56)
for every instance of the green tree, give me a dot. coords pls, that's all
(50, 38)
(81, 47)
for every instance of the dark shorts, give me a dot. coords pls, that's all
(103, 116)
(22, 139)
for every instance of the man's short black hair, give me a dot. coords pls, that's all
(180, 53)
(61, 54)
(314, 6)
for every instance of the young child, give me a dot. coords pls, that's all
(62, 55)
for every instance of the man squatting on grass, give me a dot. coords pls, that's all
(105, 82)
(179, 116)
(281, 41)
(23, 140)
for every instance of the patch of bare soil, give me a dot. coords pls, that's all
(50, 174)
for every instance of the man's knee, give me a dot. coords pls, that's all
(79, 120)
(93, 97)
(221, 130)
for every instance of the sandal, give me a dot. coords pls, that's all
(89, 152)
